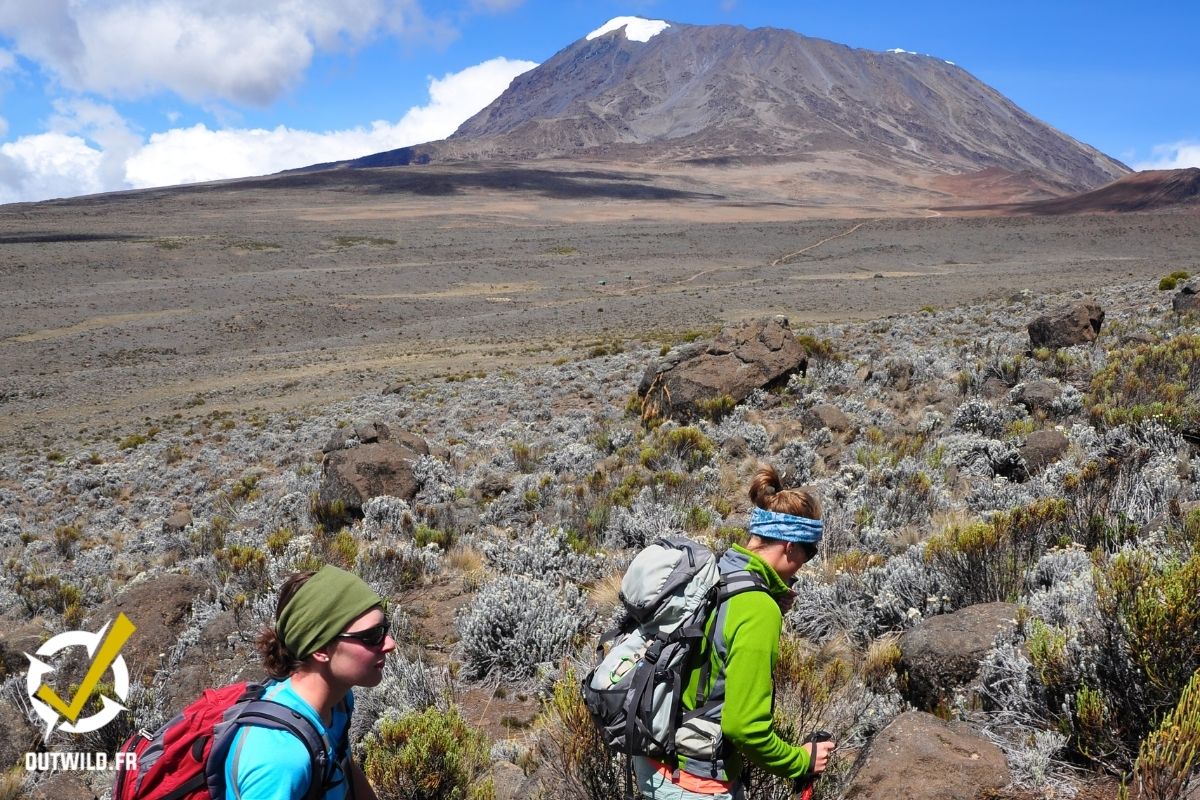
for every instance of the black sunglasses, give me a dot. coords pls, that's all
(371, 637)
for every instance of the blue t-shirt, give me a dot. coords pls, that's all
(268, 764)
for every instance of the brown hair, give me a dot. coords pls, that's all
(278, 661)
(767, 492)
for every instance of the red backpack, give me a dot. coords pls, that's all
(185, 758)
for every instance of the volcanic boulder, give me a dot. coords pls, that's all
(1038, 395)
(382, 465)
(1042, 448)
(942, 653)
(920, 757)
(824, 415)
(1077, 324)
(1187, 301)
(694, 380)
(159, 606)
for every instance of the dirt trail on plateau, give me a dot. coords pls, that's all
(122, 309)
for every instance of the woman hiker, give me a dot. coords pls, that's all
(731, 680)
(330, 635)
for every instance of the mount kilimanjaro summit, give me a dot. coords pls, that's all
(801, 118)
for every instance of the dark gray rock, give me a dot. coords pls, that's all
(993, 388)
(1037, 395)
(159, 607)
(177, 521)
(382, 467)
(1187, 300)
(920, 757)
(1077, 324)
(1043, 448)
(827, 416)
(942, 653)
(760, 354)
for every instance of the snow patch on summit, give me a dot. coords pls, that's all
(636, 28)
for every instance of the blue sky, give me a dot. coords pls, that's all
(97, 95)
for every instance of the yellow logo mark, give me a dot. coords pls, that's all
(122, 628)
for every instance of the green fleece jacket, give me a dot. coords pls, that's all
(752, 626)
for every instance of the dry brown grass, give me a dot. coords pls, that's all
(469, 562)
(12, 784)
(605, 593)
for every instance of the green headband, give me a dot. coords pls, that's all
(321, 608)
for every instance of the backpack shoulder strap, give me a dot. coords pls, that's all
(266, 713)
(739, 582)
(732, 584)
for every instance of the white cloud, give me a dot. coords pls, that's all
(91, 149)
(1176, 155)
(48, 165)
(7, 60)
(204, 50)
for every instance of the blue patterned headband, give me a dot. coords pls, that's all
(787, 527)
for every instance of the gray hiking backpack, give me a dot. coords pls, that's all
(635, 691)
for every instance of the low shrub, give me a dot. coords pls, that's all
(428, 755)
(819, 349)
(988, 561)
(582, 765)
(687, 444)
(1168, 758)
(407, 687)
(244, 568)
(40, 592)
(1172, 281)
(516, 623)
(1157, 608)
(66, 538)
(329, 514)
(716, 408)
(1149, 381)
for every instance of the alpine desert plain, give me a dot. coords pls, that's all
(296, 290)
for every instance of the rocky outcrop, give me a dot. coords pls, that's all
(942, 653)
(159, 607)
(920, 757)
(1037, 395)
(178, 521)
(1187, 300)
(17, 736)
(368, 461)
(760, 354)
(1042, 448)
(1077, 324)
(828, 416)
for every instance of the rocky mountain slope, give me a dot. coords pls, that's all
(731, 96)
(1143, 191)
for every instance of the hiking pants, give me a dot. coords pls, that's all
(656, 787)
